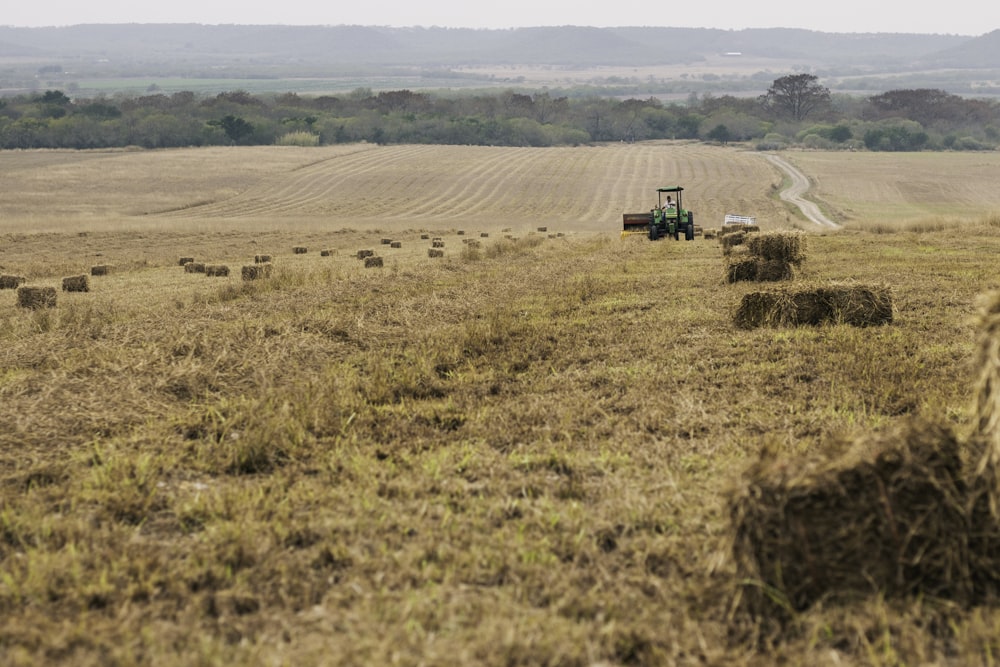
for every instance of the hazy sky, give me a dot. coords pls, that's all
(961, 17)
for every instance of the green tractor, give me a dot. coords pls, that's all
(668, 219)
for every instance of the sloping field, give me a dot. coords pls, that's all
(888, 187)
(516, 454)
(393, 186)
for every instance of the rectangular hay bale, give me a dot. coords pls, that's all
(256, 271)
(36, 297)
(8, 281)
(856, 305)
(80, 283)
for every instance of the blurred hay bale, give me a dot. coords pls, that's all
(326, 252)
(373, 261)
(261, 259)
(781, 246)
(100, 270)
(434, 252)
(386, 241)
(185, 260)
(80, 283)
(300, 250)
(857, 305)
(484, 235)
(8, 281)
(710, 234)
(742, 268)
(888, 517)
(216, 270)
(396, 244)
(543, 229)
(362, 254)
(424, 237)
(461, 232)
(731, 240)
(437, 244)
(194, 267)
(36, 297)
(256, 271)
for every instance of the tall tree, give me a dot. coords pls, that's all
(796, 96)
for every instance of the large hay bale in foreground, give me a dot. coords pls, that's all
(80, 283)
(36, 297)
(783, 246)
(857, 305)
(256, 271)
(8, 281)
(889, 517)
(216, 270)
(372, 262)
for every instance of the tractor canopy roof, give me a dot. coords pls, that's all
(675, 188)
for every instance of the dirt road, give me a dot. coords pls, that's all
(793, 194)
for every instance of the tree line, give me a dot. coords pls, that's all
(796, 109)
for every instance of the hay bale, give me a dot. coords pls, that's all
(386, 241)
(709, 234)
(261, 259)
(731, 240)
(371, 262)
(543, 229)
(300, 250)
(216, 270)
(773, 270)
(396, 244)
(741, 269)
(434, 252)
(185, 260)
(8, 281)
(437, 244)
(461, 232)
(362, 254)
(100, 270)
(80, 283)
(194, 267)
(781, 246)
(424, 237)
(256, 271)
(36, 297)
(484, 235)
(326, 252)
(857, 305)
(887, 517)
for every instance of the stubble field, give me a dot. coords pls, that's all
(516, 454)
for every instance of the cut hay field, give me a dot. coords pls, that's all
(521, 453)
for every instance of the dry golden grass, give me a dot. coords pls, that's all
(518, 454)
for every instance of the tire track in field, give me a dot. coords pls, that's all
(794, 193)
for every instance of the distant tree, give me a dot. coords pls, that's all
(235, 127)
(720, 133)
(796, 96)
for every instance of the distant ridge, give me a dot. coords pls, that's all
(566, 45)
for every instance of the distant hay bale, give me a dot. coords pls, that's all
(185, 260)
(396, 244)
(80, 283)
(386, 241)
(362, 254)
(424, 237)
(888, 517)
(261, 259)
(326, 252)
(434, 252)
(194, 267)
(437, 244)
(781, 246)
(100, 270)
(373, 261)
(300, 250)
(216, 270)
(8, 281)
(36, 298)
(543, 229)
(484, 235)
(856, 305)
(256, 271)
